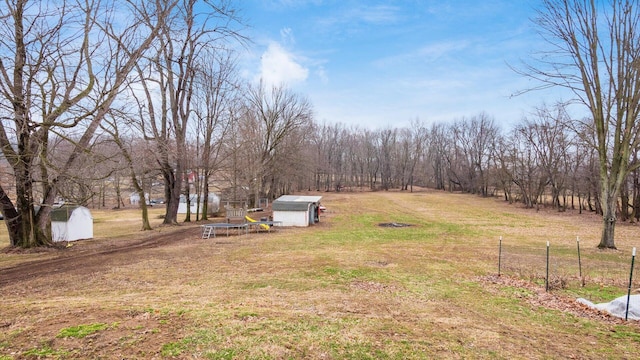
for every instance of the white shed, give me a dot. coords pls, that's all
(70, 223)
(294, 210)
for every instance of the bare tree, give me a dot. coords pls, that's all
(437, 154)
(635, 191)
(121, 118)
(419, 139)
(341, 157)
(474, 139)
(356, 175)
(547, 134)
(335, 153)
(596, 54)
(372, 160)
(293, 163)
(579, 172)
(320, 143)
(524, 166)
(272, 116)
(168, 82)
(62, 66)
(503, 161)
(386, 143)
(216, 103)
(461, 172)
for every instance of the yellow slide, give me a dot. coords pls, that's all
(264, 226)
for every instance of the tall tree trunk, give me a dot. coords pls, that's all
(187, 197)
(609, 221)
(205, 197)
(146, 225)
(610, 185)
(29, 232)
(11, 217)
(636, 197)
(172, 196)
(624, 202)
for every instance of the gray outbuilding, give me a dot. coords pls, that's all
(296, 210)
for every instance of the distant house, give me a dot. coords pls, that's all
(294, 210)
(71, 223)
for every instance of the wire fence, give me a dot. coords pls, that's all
(562, 267)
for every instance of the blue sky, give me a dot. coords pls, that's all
(379, 64)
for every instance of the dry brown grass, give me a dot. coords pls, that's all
(345, 288)
(110, 223)
(107, 224)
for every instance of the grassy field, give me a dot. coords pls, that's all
(343, 289)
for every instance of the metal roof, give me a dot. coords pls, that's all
(290, 206)
(299, 198)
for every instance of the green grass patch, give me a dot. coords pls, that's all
(343, 275)
(357, 351)
(172, 349)
(222, 354)
(201, 338)
(46, 352)
(81, 331)
(622, 332)
(517, 293)
(596, 292)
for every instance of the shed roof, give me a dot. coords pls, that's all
(62, 213)
(299, 198)
(290, 206)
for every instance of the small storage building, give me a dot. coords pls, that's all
(294, 210)
(71, 223)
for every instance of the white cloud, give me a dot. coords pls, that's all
(278, 66)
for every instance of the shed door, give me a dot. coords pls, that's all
(311, 213)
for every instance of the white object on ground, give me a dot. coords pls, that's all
(618, 306)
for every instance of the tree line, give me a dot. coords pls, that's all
(95, 104)
(545, 159)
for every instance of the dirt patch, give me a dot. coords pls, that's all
(90, 255)
(127, 334)
(134, 333)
